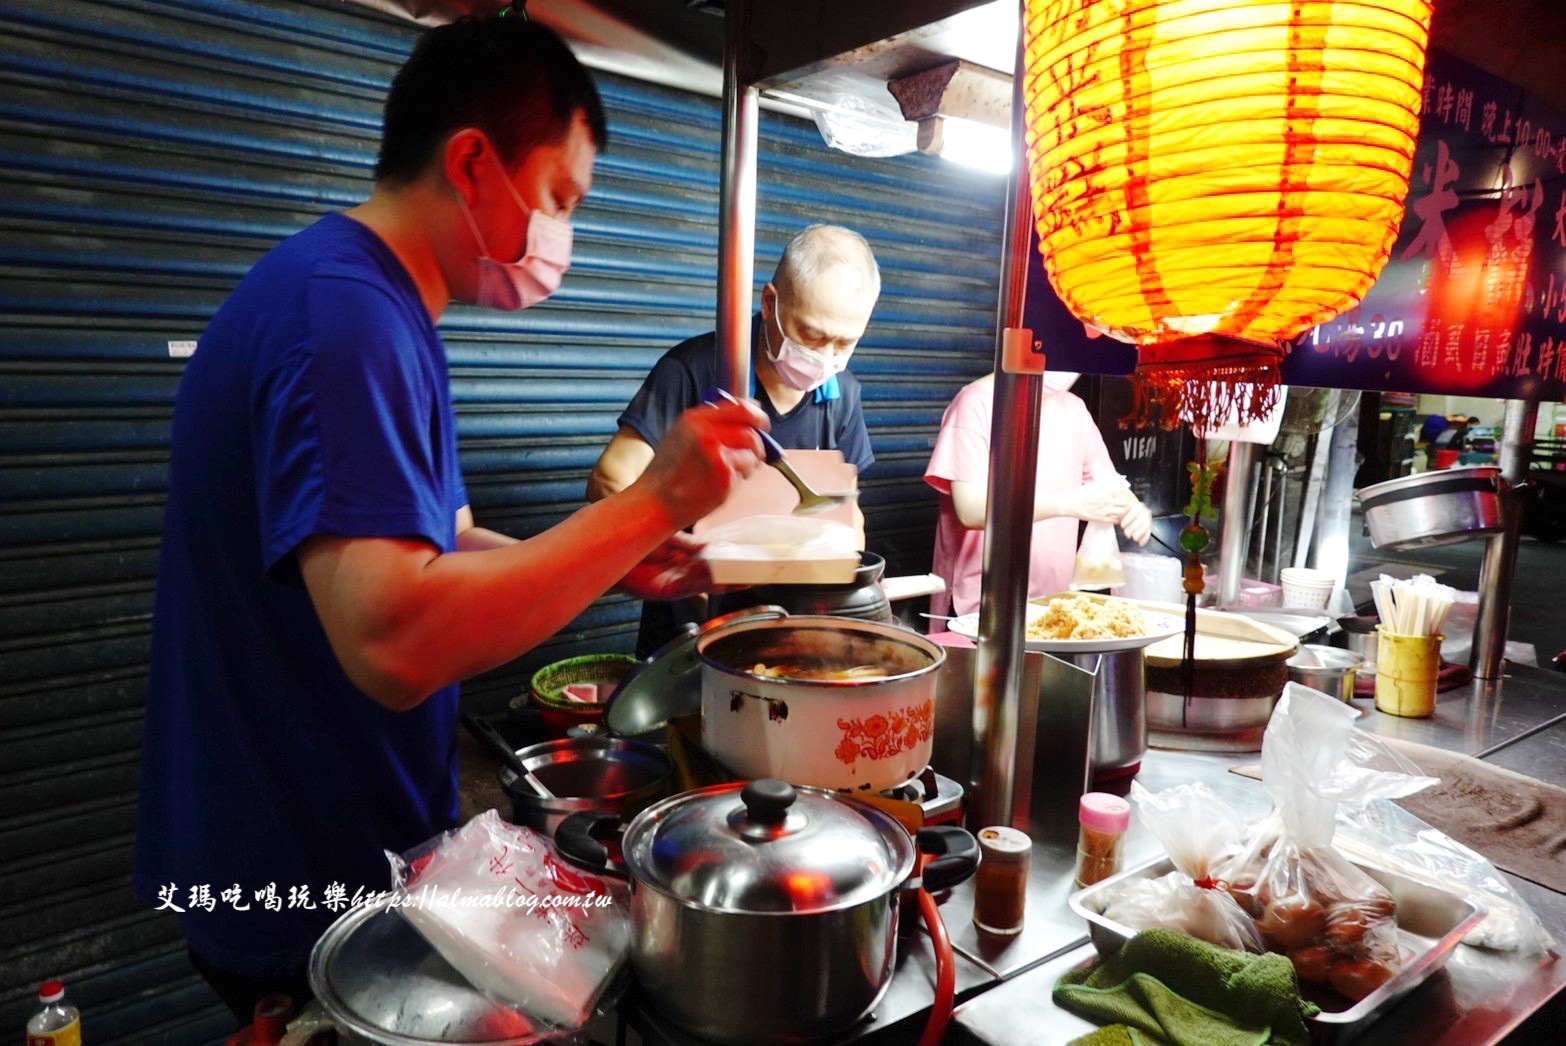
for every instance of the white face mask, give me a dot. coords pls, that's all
(536, 273)
(1059, 380)
(802, 368)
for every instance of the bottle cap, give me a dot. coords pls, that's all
(1001, 840)
(51, 991)
(1103, 812)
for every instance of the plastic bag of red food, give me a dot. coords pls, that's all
(523, 926)
(1201, 833)
(1333, 920)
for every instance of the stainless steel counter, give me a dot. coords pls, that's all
(1004, 985)
(1482, 717)
(1480, 997)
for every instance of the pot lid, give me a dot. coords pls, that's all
(380, 980)
(668, 684)
(768, 847)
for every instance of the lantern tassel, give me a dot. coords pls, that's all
(1204, 382)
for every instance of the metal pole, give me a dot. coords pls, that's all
(1281, 467)
(1008, 524)
(1321, 453)
(1266, 515)
(1500, 554)
(1233, 541)
(736, 204)
(1332, 513)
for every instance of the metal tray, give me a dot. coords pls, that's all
(1430, 923)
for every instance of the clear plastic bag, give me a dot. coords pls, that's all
(1201, 833)
(1098, 554)
(1385, 834)
(1336, 924)
(500, 905)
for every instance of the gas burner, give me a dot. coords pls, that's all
(940, 796)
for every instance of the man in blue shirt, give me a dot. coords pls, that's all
(813, 313)
(322, 587)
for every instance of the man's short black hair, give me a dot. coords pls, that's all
(515, 80)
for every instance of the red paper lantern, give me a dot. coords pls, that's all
(1212, 178)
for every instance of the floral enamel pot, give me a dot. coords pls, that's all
(828, 702)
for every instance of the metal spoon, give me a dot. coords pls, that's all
(810, 501)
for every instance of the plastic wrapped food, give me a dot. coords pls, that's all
(1201, 833)
(1098, 559)
(1336, 923)
(512, 917)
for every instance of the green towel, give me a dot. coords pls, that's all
(1191, 993)
(1112, 1035)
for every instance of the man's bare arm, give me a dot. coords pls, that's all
(405, 620)
(621, 464)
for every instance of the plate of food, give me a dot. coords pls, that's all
(1075, 623)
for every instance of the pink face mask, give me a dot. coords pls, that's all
(801, 368)
(532, 277)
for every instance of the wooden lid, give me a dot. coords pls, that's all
(1222, 638)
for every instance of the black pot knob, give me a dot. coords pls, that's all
(767, 800)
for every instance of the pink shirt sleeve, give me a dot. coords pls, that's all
(1096, 461)
(962, 449)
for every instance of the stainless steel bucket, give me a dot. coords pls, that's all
(1327, 669)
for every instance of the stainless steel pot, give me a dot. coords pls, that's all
(765, 913)
(1434, 508)
(851, 734)
(380, 982)
(1327, 669)
(1360, 636)
(585, 775)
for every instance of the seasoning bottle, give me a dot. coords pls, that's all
(1104, 819)
(58, 1023)
(1000, 886)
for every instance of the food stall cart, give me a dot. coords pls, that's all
(1003, 989)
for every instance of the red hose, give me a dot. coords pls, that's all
(945, 965)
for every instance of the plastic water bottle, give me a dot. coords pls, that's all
(58, 1023)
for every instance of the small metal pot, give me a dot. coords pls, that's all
(1434, 508)
(1327, 669)
(598, 775)
(1359, 636)
(765, 913)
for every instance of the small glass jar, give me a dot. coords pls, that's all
(1104, 819)
(1000, 888)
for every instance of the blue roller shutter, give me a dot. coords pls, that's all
(151, 151)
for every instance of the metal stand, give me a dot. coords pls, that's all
(1234, 541)
(1008, 525)
(736, 205)
(1500, 554)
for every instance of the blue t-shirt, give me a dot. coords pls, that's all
(317, 403)
(830, 419)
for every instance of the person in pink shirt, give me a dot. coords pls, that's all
(1076, 482)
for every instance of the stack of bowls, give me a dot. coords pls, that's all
(1305, 588)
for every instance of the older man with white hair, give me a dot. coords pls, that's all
(813, 313)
